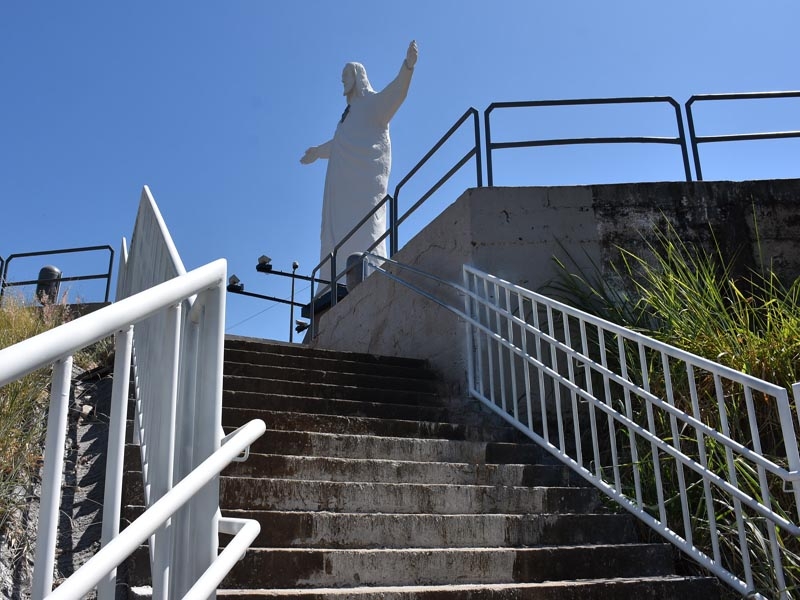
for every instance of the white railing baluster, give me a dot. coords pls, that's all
(51, 478)
(633, 392)
(115, 456)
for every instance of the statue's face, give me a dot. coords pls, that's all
(348, 80)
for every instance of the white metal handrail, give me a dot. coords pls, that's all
(168, 327)
(585, 389)
(91, 573)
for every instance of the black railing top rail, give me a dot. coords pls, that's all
(680, 139)
(737, 137)
(4, 283)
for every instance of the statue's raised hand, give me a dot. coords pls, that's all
(411, 54)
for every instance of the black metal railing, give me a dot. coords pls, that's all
(679, 140)
(696, 139)
(474, 151)
(5, 283)
(391, 202)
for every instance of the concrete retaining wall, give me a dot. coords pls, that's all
(514, 233)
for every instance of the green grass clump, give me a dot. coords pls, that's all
(692, 298)
(23, 404)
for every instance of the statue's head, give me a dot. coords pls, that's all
(354, 80)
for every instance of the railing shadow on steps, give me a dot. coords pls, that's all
(646, 423)
(169, 326)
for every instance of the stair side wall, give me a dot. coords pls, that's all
(514, 233)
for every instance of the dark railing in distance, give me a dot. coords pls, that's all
(696, 139)
(679, 140)
(4, 283)
(474, 151)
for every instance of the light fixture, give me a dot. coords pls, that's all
(264, 265)
(235, 284)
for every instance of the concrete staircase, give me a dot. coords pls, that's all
(368, 485)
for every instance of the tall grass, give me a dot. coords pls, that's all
(24, 403)
(691, 298)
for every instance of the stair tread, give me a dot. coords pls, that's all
(575, 588)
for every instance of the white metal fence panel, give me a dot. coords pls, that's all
(178, 390)
(171, 324)
(675, 439)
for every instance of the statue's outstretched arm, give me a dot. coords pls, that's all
(315, 152)
(392, 96)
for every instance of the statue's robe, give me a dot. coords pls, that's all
(359, 162)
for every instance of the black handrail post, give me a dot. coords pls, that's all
(394, 232)
(693, 138)
(334, 278)
(110, 269)
(478, 170)
(487, 132)
(291, 309)
(682, 133)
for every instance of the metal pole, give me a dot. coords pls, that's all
(51, 479)
(295, 265)
(112, 501)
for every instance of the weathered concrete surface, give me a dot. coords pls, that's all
(514, 233)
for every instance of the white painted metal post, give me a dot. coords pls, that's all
(51, 479)
(112, 500)
(208, 419)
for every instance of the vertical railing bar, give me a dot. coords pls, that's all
(651, 426)
(489, 352)
(500, 361)
(551, 330)
(211, 347)
(766, 497)
(184, 575)
(590, 388)
(164, 536)
(732, 477)
(539, 357)
(525, 362)
(112, 494)
(512, 357)
(676, 443)
(468, 304)
(637, 481)
(701, 448)
(44, 558)
(576, 425)
(612, 434)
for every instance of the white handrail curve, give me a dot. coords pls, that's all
(88, 576)
(37, 352)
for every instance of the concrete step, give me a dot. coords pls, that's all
(274, 347)
(334, 424)
(395, 471)
(332, 406)
(326, 390)
(640, 588)
(303, 443)
(333, 377)
(407, 498)
(323, 361)
(303, 568)
(291, 529)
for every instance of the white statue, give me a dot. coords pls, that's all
(359, 160)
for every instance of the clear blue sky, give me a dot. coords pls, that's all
(212, 104)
